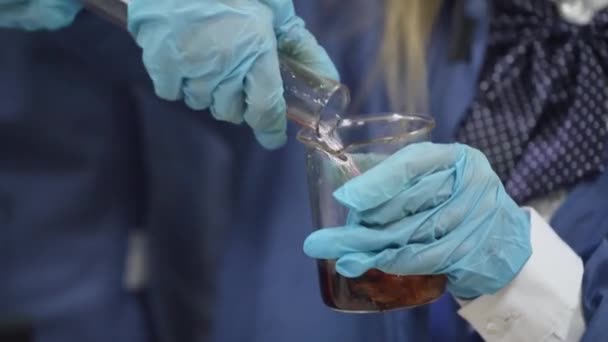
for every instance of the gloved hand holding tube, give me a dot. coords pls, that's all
(430, 209)
(216, 54)
(223, 55)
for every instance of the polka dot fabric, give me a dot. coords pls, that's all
(541, 108)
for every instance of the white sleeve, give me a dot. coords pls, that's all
(542, 303)
(580, 12)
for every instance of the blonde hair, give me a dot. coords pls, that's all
(407, 28)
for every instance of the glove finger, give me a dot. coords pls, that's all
(427, 226)
(413, 259)
(333, 243)
(426, 193)
(167, 85)
(439, 257)
(197, 93)
(266, 108)
(229, 100)
(355, 264)
(156, 54)
(302, 46)
(397, 173)
(167, 80)
(297, 42)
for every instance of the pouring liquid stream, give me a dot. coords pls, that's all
(332, 145)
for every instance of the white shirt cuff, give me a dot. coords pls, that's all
(542, 303)
(580, 12)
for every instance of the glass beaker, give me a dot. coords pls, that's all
(373, 137)
(311, 98)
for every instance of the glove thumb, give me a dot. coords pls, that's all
(297, 42)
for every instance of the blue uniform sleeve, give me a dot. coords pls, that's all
(595, 293)
(582, 222)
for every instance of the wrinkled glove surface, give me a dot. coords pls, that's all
(222, 55)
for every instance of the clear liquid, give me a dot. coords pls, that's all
(334, 148)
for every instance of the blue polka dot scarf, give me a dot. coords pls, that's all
(540, 110)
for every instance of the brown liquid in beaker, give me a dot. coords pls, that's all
(377, 291)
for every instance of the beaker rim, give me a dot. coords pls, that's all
(386, 116)
(308, 137)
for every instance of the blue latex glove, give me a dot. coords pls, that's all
(222, 55)
(430, 209)
(38, 14)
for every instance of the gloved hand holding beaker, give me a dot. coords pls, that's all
(222, 55)
(430, 209)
